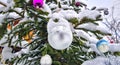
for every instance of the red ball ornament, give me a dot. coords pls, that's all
(77, 4)
(111, 42)
(15, 22)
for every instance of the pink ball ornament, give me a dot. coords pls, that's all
(38, 3)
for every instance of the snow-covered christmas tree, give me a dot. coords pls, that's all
(53, 32)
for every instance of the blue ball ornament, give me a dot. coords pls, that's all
(102, 45)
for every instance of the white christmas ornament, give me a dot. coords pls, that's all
(46, 60)
(102, 46)
(60, 38)
(59, 34)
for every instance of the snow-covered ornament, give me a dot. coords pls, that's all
(37, 3)
(61, 38)
(102, 45)
(46, 60)
(59, 34)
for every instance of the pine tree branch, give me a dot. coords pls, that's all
(3, 4)
(17, 13)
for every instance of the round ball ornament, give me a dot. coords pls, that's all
(46, 60)
(106, 12)
(38, 3)
(59, 34)
(77, 4)
(102, 46)
(60, 38)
